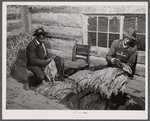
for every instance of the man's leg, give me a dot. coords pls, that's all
(38, 72)
(58, 66)
(38, 75)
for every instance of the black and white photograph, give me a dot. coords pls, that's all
(75, 60)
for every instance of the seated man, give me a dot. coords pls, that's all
(123, 51)
(38, 57)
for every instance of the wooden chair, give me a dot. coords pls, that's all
(80, 58)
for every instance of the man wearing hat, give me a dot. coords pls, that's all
(123, 51)
(38, 57)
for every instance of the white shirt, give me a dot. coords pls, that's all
(45, 53)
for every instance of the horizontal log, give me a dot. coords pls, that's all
(59, 44)
(54, 9)
(15, 31)
(62, 41)
(139, 79)
(98, 51)
(63, 54)
(59, 47)
(135, 88)
(141, 52)
(57, 19)
(14, 23)
(141, 57)
(96, 61)
(101, 52)
(103, 9)
(13, 10)
(60, 32)
(13, 16)
(140, 70)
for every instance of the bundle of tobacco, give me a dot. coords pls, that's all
(88, 101)
(61, 89)
(51, 71)
(106, 81)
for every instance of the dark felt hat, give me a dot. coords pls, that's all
(40, 31)
(130, 33)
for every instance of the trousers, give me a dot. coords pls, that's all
(39, 71)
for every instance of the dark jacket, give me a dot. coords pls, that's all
(128, 55)
(35, 56)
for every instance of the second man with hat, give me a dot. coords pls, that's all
(123, 51)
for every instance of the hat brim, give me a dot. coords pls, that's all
(40, 33)
(127, 35)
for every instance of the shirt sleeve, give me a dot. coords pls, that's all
(133, 57)
(111, 51)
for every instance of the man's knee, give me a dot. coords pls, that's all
(41, 76)
(57, 58)
(38, 72)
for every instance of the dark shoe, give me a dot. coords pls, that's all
(26, 87)
(60, 78)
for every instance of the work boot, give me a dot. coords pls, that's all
(44, 82)
(26, 86)
(60, 78)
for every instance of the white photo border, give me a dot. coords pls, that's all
(68, 114)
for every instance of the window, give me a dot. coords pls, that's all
(138, 23)
(103, 30)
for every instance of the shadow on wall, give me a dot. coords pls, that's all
(18, 70)
(16, 56)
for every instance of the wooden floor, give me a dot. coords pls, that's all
(18, 98)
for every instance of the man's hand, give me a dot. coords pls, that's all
(48, 60)
(118, 63)
(113, 61)
(53, 57)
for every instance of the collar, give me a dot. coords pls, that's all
(122, 44)
(37, 41)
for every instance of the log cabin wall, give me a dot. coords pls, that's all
(16, 19)
(67, 24)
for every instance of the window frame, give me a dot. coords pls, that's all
(120, 33)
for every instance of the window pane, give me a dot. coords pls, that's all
(113, 37)
(92, 23)
(102, 24)
(102, 39)
(129, 22)
(141, 25)
(141, 42)
(92, 38)
(114, 24)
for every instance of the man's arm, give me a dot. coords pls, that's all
(133, 57)
(32, 56)
(111, 52)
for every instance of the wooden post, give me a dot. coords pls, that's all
(23, 18)
(28, 29)
(121, 26)
(26, 19)
(85, 29)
